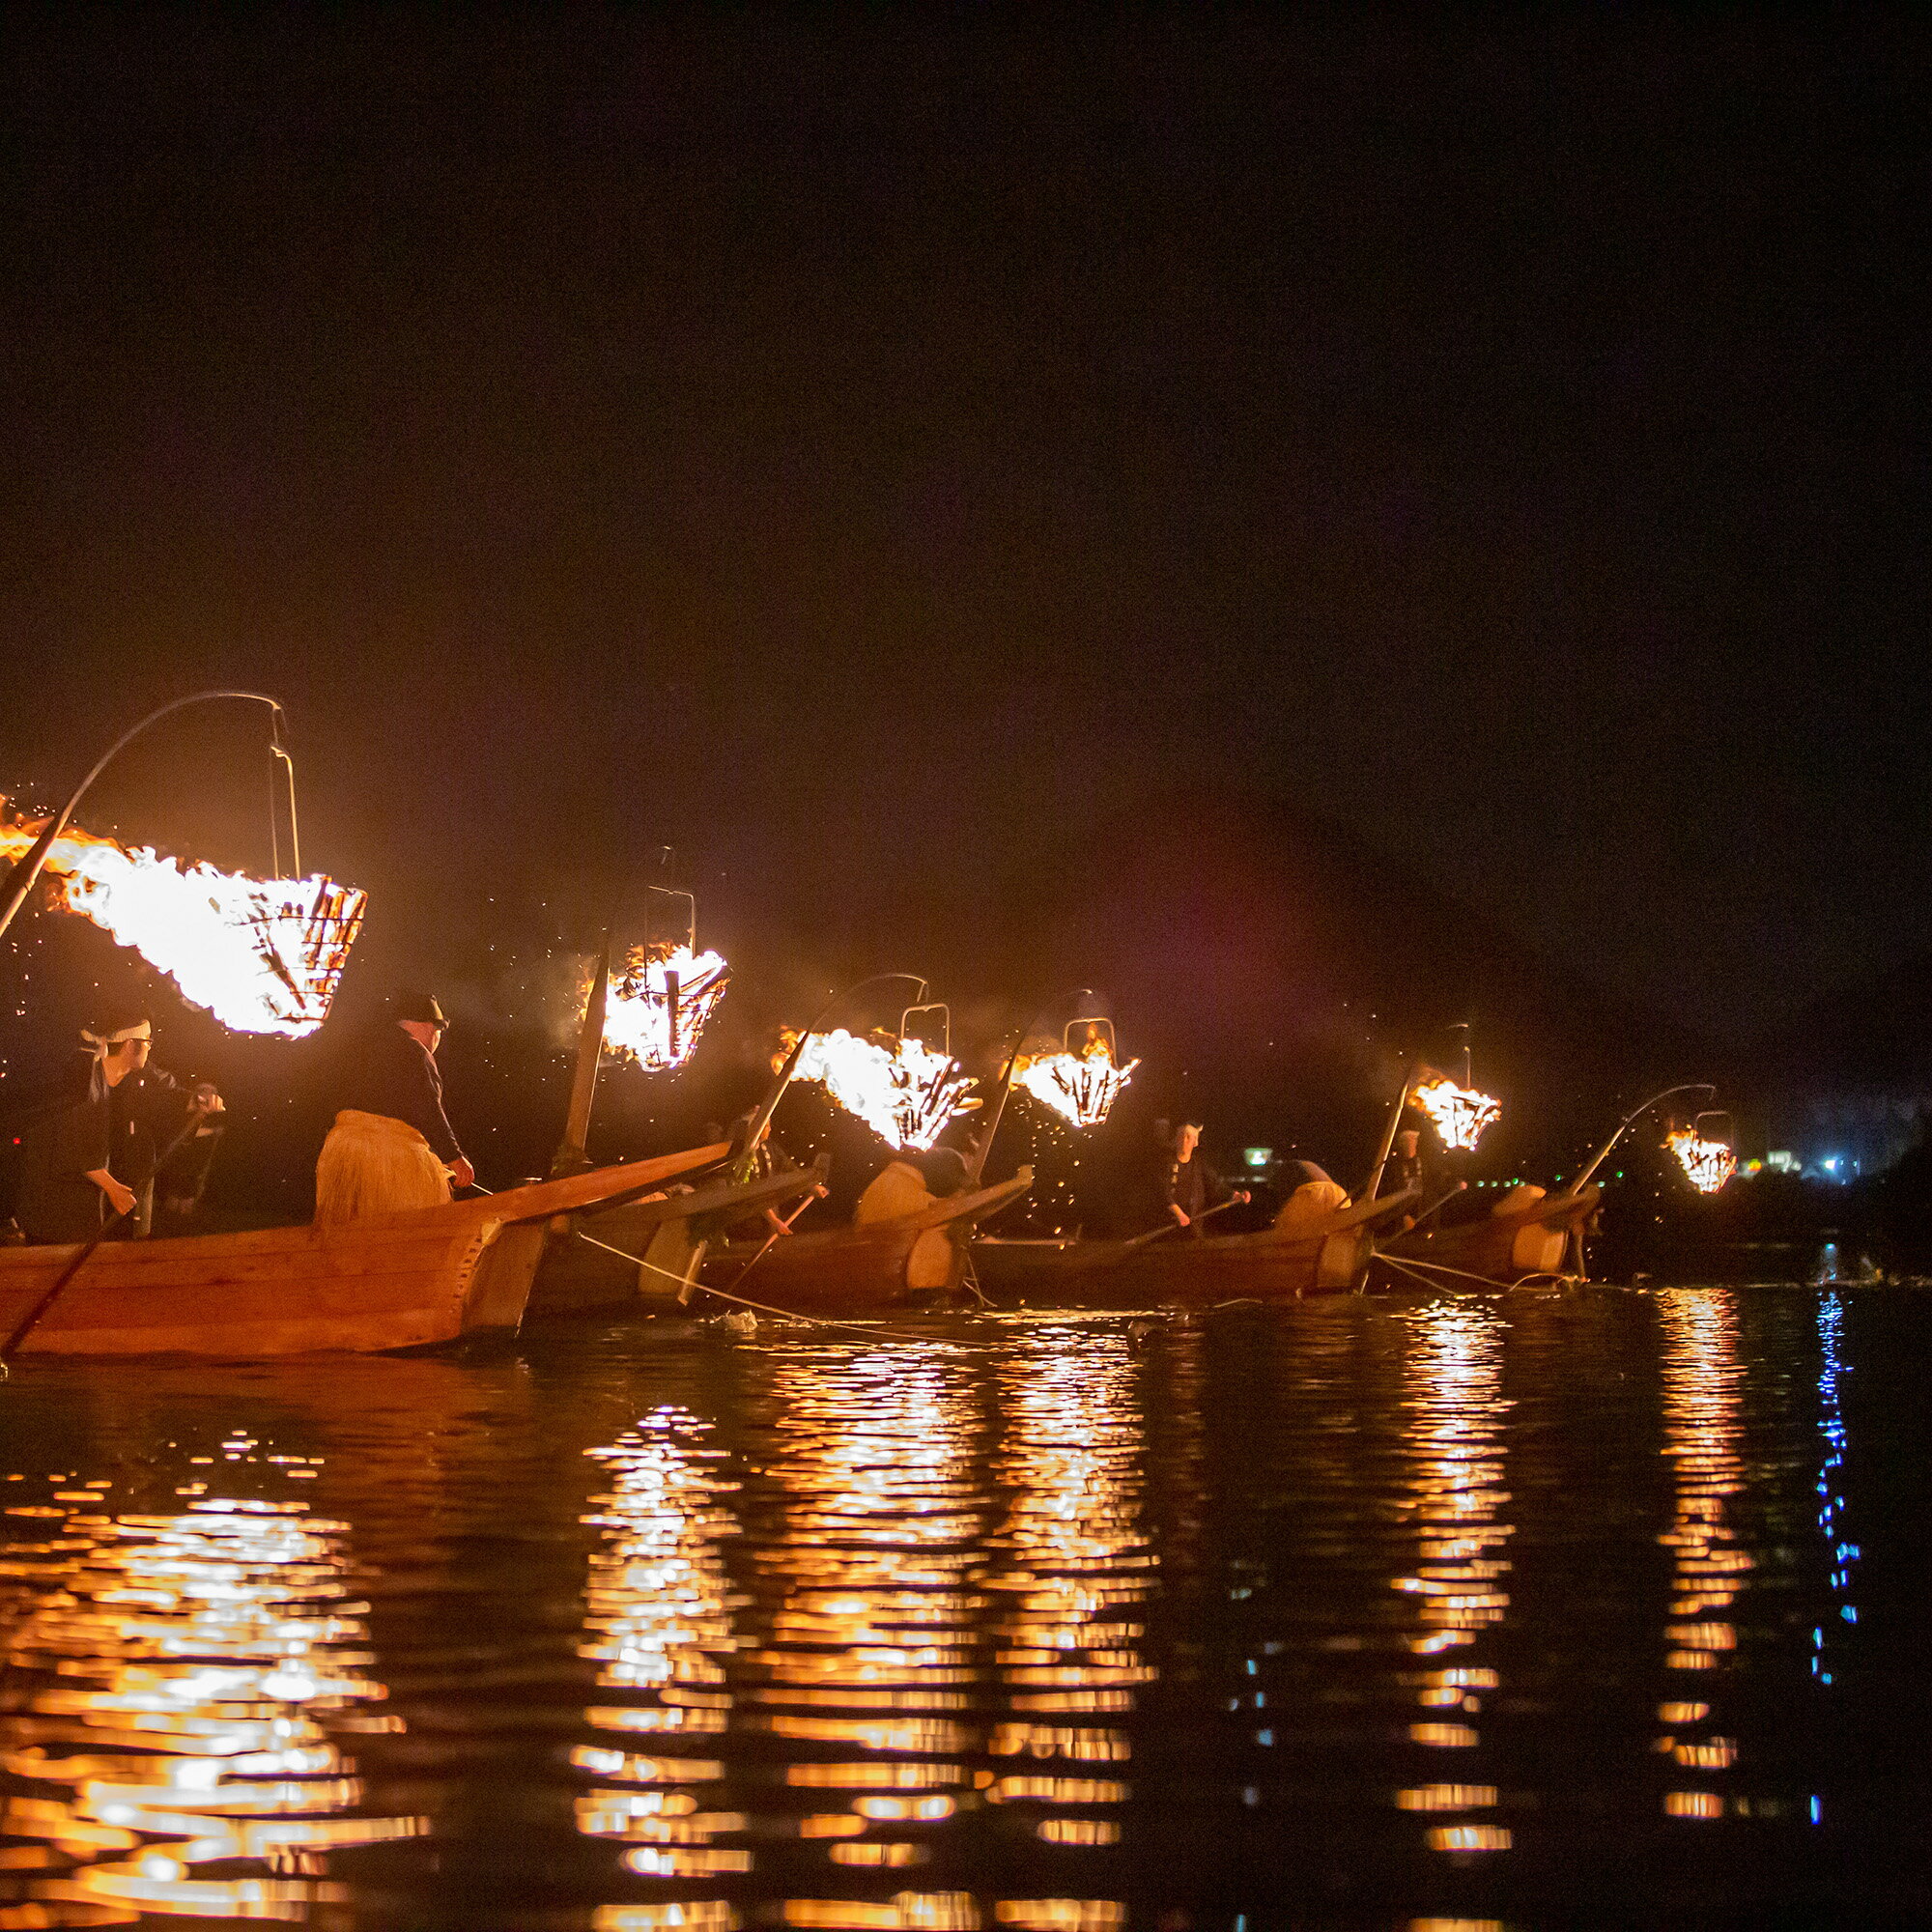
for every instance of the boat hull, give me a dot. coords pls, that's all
(401, 1281)
(649, 1250)
(856, 1266)
(1264, 1266)
(1496, 1250)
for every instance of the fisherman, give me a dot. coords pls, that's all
(908, 1184)
(89, 1153)
(391, 1146)
(1316, 1198)
(1403, 1169)
(1189, 1186)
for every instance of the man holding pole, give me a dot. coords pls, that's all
(88, 1156)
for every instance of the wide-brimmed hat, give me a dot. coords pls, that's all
(408, 1004)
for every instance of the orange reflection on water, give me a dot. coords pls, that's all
(1455, 1409)
(1077, 1563)
(181, 1684)
(871, 1647)
(1703, 1378)
(658, 1619)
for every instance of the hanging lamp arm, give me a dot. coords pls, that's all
(20, 880)
(1603, 1153)
(783, 1079)
(976, 1166)
(281, 754)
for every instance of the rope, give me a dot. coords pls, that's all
(1410, 1266)
(624, 1253)
(872, 1330)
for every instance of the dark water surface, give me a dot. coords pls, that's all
(1597, 1607)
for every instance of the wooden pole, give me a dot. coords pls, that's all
(571, 1156)
(20, 882)
(1374, 1179)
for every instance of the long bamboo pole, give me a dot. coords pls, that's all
(1603, 1153)
(1375, 1178)
(572, 1154)
(26, 870)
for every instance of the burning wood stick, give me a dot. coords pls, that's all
(263, 956)
(903, 1091)
(659, 1002)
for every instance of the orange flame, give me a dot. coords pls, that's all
(658, 1003)
(1709, 1164)
(263, 956)
(1080, 1087)
(903, 1091)
(1459, 1114)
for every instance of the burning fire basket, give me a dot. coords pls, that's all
(1078, 1083)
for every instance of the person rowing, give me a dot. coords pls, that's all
(391, 1146)
(1190, 1188)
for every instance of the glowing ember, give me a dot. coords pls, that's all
(1080, 1087)
(659, 1002)
(1708, 1163)
(903, 1091)
(1459, 1114)
(263, 956)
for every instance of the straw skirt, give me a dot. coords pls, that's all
(373, 1165)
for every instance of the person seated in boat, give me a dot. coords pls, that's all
(391, 1146)
(908, 1184)
(1190, 1188)
(1316, 1198)
(1521, 1199)
(88, 1154)
(1403, 1169)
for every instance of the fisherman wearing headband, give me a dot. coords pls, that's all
(88, 1157)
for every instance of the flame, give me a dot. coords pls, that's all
(1459, 1114)
(658, 1003)
(1708, 1163)
(903, 1091)
(1080, 1087)
(263, 956)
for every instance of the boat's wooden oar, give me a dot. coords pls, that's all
(29, 1322)
(1436, 1206)
(771, 1240)
(1174, 1227)
(32, 1318)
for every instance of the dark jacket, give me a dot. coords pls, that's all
(391, 1072)
(1191, 1185)
(81, 1126)
(1400, 1173)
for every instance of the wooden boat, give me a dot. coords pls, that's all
(1502, 1247)
(1329, 1257)
(863, 1264)
(611, 1258)
(396, 1281)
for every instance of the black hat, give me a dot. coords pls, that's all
(410, 1005)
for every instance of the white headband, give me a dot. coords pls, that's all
(104, 1043)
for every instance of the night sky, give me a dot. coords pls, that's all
(878, 453)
